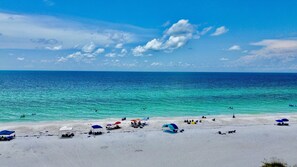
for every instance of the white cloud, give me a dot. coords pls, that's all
(44, 32)
(156, 64)
(88, 48)
(205, 30)
(62, 59)
(58, 47)
(99, 51)
(224, 59)
(119, 46)
(272, 52)
(220, 30)
(123, 52)
(166, 24)
(181, 27)
(20, 58)
(173, 38)
(78, 57)
(111, 54)
(234, 48)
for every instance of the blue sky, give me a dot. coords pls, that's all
(130, 35)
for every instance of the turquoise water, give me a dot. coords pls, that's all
(46, 96)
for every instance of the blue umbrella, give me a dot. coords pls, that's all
(280, 121)
(285, 120)
(171, 126)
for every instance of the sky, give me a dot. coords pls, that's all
(149, 35)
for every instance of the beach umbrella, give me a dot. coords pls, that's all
(109, 125)
(171, 126)
(285, 120)
(96, 126)
(278, 120)
(118, 122)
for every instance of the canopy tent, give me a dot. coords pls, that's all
(66, 131)
(7, 135)
(66, 128)
(96, 130)
(97, 127)
(281, 122)
(6, 132)
(285, 120)
(170, 127)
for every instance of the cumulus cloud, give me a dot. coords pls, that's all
(99, 51)
(173, 38)
(234, 48)
(220, 30)
(272, 52)
(78, 57)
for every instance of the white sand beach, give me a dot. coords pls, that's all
(256, 139)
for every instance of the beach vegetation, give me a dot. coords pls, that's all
(274, 162)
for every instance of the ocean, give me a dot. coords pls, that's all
(57, 95)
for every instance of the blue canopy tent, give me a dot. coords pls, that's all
(172, 128)
(96, 130)
(96, 127)
(281, 122)
(285, 120)
(7, 135)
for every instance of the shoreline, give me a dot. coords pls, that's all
(280, 114)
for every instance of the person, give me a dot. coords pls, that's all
(233, 116)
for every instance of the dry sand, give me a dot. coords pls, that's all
(256, 139)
